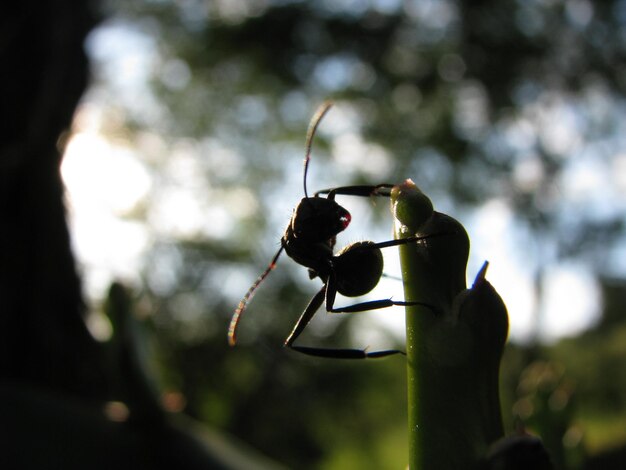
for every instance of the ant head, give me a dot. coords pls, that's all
(358, 268)
(317, 219)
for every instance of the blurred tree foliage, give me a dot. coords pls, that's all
(487, 100)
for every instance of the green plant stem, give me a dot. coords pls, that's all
(454, 340)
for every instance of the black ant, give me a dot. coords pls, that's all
(309, 240)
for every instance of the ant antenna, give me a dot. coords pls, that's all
(234, 322)
(315, 121)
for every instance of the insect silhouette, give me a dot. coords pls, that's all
(309, 240)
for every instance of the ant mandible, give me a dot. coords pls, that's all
(309, 240)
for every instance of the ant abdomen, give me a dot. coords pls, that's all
(358, 267)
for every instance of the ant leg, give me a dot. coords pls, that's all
(314, 305)
(403, 241)
(335, 353)
(345, 353)
(377, 304)
(331, 293)
(383, 190)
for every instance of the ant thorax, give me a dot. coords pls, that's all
(314, 255)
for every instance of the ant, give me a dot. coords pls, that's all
(310, 239)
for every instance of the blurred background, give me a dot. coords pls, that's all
(185, 161)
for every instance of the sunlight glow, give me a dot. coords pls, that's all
(97, 173)
(104, 182)
(572, 302)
